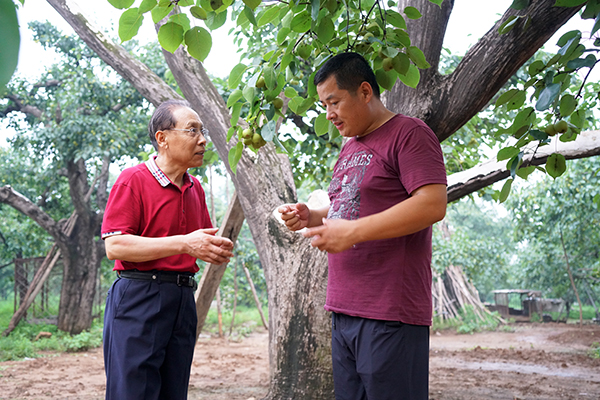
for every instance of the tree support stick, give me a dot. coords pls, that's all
(258, 305)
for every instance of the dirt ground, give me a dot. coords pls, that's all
(535, 361)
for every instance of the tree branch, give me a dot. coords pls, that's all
(102, 190)
(22, 204)
(137, 73)
(466, 182)
(492, 62)
(27, 109)
(446, 103)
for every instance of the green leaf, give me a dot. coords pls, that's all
(506, 96)
(268, 131)
(282, 35)
(249, 14)
(395, 19)
(325, 30)
(588, 62)
(294, 104)
(253, 4)
(270, 77)
(147, 5)
(385, 79)
(412, 13)
(249, 94)
(198, 42)
(234, 97)
(578, 118)
(129, 24)
(230, 132)
(505, 190)
(401, 63)
(547, 96)
(556, 165)
(596, 26)
(181, 19)
(507, 153)
(301, 22)
(315, 5)
(158, 13)
(321, 124)
(290, 92)
(234, 156)
(11, 39)
(170, 36)
(412, 77)
(592, 9)
(269, 15)
(508, 25)
(199, 12)
(524, 172)
(516, 101)
(215, 20)
(536, 67)
(567, 105)
(235, 76)
(185, 3)
(569, 3)
(437, 2)
(417, 56)
(519, 4)
(121, 4)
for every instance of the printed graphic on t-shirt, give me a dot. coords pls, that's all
(344, 189)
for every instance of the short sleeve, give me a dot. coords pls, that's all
(123, 211)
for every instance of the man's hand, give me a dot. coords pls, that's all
(295, 216)
(203, 244)
(334, 236)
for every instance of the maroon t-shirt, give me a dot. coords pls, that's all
(144, 202)
(386, 279)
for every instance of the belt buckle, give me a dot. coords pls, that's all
(183, 280)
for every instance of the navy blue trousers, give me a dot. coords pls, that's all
(379, 360)
(149, 340)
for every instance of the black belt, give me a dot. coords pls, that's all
(181, 279)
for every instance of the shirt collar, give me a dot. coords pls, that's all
(159, 175)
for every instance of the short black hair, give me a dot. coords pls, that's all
(350, 71)
(162, 118)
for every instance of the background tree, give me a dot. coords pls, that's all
(71, 124)
(542, 212)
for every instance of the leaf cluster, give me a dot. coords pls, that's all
(550, 99)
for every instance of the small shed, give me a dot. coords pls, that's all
(518, 304)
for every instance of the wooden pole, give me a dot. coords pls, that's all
(235, 292)
(212, 275)
(258, 305)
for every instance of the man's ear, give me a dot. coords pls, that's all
(161, 139)
(365, 91)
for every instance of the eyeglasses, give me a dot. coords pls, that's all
(192, 132)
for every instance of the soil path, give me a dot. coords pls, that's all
(535, 361)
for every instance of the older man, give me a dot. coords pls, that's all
(388, 188)
(156, 225)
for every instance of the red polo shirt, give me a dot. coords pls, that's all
(144, 202)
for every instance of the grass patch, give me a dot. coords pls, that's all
(468, 323)
(22, 343)
(247, 320)
(594, 351)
